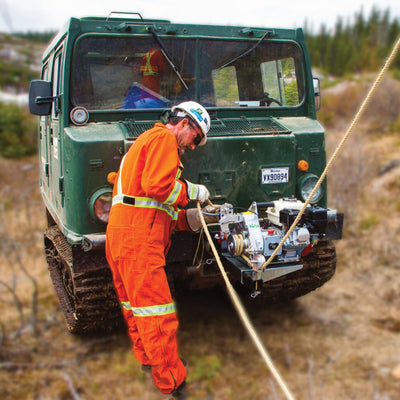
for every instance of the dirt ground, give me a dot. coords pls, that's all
(339, 342)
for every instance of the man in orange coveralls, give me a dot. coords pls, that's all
(148, 194)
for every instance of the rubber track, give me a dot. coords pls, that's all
(318, 267)
(93, 305)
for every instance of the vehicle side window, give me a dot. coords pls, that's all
(56, 79)
(45, 72)
(45, 77)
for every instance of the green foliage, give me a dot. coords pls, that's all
(395, 126)
(369, 222)
(360, 46)
(17, 131)
(225, 84)
(292, 94)
(15, 75)
(206, 367)
(396, 73)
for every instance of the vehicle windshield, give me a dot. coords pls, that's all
(132, 73)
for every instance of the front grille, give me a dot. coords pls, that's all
(134, 129)
(245, 126)
(220, 127)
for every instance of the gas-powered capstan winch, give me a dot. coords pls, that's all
(249, 239)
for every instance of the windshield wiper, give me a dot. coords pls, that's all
(164, 52)
(268, 33)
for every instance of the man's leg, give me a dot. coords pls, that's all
(157, 325)
(137, 345)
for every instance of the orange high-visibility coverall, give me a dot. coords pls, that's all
(146, 197)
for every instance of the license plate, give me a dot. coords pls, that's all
(274, 175)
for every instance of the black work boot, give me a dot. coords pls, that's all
(181, 392)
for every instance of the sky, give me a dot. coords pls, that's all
(51, 15)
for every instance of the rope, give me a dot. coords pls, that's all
(242, 313)
(234, 297)
(338, 149)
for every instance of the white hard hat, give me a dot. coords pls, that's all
(197, 113)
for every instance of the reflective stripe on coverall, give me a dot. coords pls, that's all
(144, 213)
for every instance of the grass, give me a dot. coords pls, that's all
(369, 222)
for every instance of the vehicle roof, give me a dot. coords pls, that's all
(138, 25)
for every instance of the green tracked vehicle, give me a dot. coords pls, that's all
(264, 154)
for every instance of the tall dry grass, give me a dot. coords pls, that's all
(21, 227)
(365, 153)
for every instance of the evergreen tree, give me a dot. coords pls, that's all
(354, 46)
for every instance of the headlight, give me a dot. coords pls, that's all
(79, 115)
(306, 186)
(100, 205)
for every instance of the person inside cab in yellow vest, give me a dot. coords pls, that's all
(152, 67)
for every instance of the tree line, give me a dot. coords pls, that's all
(358, 45)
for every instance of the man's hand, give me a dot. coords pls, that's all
(197, 192)
(210, 214)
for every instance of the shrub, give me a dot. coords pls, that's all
(17, 131)
(17, 76)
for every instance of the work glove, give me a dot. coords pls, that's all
(210, 214)
(197, 192)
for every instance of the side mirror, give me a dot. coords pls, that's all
(317, 93)
(40, 97)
